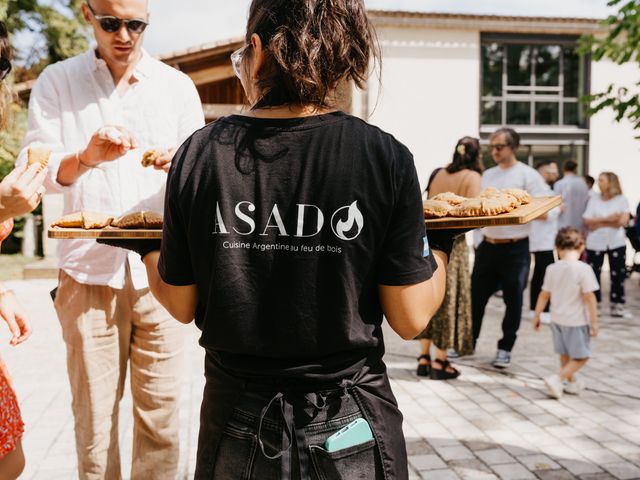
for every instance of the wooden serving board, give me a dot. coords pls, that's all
(521, 215)
(108, 232)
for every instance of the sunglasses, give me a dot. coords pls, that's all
(497, 147)
(5, 67)
(236, 59)
(112, 24)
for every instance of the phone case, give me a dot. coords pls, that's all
(356, 433)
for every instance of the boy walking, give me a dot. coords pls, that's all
(570, 285)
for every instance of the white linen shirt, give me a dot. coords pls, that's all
(606, 238)
(575, 196)
(518, 176)
(73, 99)
(542, 237)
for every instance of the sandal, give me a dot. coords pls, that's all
(444, 373)
(424, 369)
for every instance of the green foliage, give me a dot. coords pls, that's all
(58, 29)
(621, 45)
(11, 139)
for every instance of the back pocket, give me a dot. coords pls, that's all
(352, 463)
(236, 453)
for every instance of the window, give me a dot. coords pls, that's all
(533, 81)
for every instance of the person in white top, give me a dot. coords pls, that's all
(98, 112)
(605, 218)
(570, 285)
(502, 258)
(575, 195)
(543, 233)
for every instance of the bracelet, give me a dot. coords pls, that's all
(82, 163)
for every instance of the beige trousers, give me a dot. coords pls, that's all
(103, 329)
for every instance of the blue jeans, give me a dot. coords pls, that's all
(256, 443)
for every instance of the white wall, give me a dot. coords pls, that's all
(612, 145)
(430, 91)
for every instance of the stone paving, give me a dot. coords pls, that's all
(485, 425)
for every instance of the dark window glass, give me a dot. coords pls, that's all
(518, 113)
(492, 59)
(491, 112)
(574, 73)
(519, 65)
(574, 114)
(547, 60)
(547, 113)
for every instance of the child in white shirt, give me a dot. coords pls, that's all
(570, 285)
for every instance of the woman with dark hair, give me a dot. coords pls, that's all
(20, 193)
(288, 232)
(451, 327)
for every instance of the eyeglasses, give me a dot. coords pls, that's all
(5, 68)
(497, 146)
(236, 58)
(112, 24)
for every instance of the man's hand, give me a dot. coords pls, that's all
(21, 191)
(163, 162)
(15, 317)
(594, 329)
(107, 144)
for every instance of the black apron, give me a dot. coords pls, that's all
(371, 390)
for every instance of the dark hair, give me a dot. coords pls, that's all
(543, 163)
(590, 180)
(570, 166)
(466, 156)
(511, 136)
(311, 47)
(5, 94)
(568, 238)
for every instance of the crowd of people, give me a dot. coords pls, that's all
(292, 331)
(589, 223)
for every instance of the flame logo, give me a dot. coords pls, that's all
(342, 227)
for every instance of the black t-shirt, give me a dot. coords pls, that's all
(286, 227)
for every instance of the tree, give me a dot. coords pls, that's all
(57, 31)
(620, 45)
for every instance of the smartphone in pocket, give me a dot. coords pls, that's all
(355, 433)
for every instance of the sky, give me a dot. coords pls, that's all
(198, 22)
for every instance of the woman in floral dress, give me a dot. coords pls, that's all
(20, 193)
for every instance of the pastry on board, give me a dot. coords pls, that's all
(436, 208)
(522, 195)
(449, 197)
(84, 219)
(142, 219)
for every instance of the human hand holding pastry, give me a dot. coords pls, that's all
(107, 144)
(159, 158)
(21, 191)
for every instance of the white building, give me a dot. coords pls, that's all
(446, 75)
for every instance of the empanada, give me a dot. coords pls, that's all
(449, 197)
(522, 195)
(436, 208)
(149, 157)
(95, 220)
(131, 220)
(471, 207)
(72, 220)
(152, 220)
(38, 155)
(489, 192)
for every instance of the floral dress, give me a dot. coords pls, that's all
(11, 426)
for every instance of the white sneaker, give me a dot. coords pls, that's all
(545, 317)
(617, 310)
(503, 359)
(574, 388)
(554, 386)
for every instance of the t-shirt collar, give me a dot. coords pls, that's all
(141, 71)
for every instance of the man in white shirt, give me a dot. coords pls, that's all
(98, 112)
(542, 238)
(575, 195)
(502, 258)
